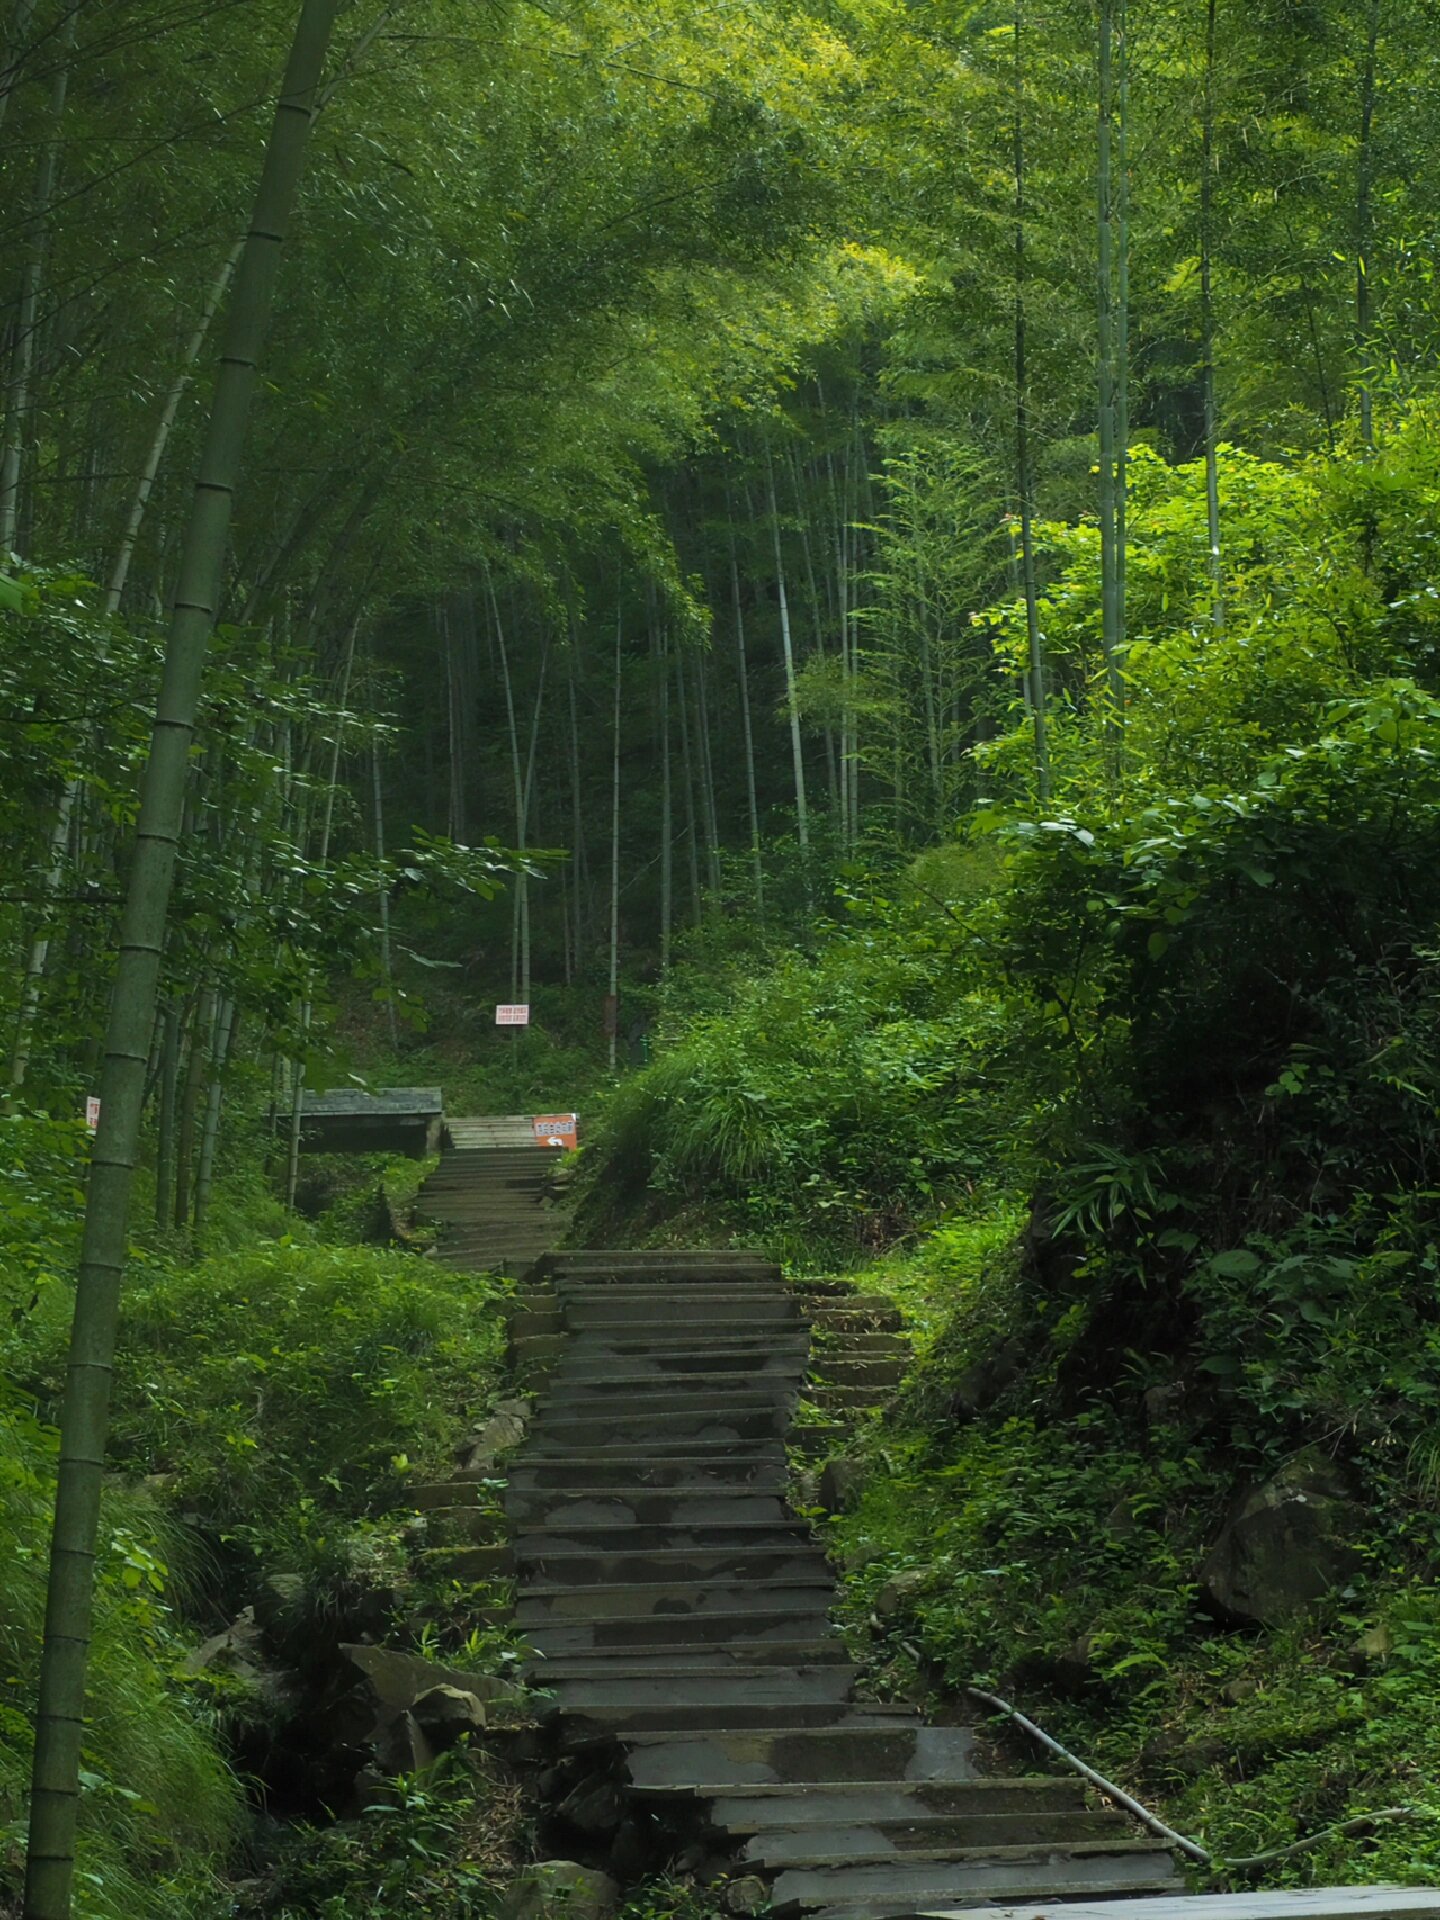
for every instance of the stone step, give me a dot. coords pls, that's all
(685, 1718)
(750, 1809)
(800, 1598)
(868, 1313)
(851, 1752)
(637, 1431)
(569, 1508)
(653, 1632)
(760, 1468)
(437, 1494)
(650, 1633)
(632, 1400)
(563, 1572)
(847, 1400)
(753, 1656)
(1375, 1902)
(655, 1309)
(857, 1373)
(584, 1259)
(867, 1340)
(728, 1535)
(907, 1886)
(668, 1367)
(478, 1526)
(687, 1279)
(815, 1842)
(664, 1686)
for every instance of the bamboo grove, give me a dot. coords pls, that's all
(678, 460)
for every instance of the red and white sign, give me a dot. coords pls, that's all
(512, 1016)
(556, 1129)
(92, 1112)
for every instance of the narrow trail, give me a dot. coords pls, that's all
(678, 1606)
(703, 1713)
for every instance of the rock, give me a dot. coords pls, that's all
(747, 1895)
(400, 1746)
(398, 1679)
(279, 1596)
(1073, 1669)
(895, 1597)
(1162, 1405)
(478, 1452)
(595, 1806)
(559, 1890)
(978, 1387)
(842, 1480)
(236, 1650)
(446, 1715)
(1372, 1649)
(1285, 1545)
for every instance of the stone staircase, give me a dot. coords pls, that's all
(678, 1611)
(497, 1195)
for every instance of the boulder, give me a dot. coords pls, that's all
(479, 1451)
(897, 1596)
(842, 1480)
(975, 1390)
(1285, 1545)
(398, 1679)
(237, 1650)
(746, 1895)
(445, 1715)
(559, 1890)
(595, 1806)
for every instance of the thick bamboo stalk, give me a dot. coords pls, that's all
(614, 1020)
(40, 945)
(16, 33)
(667, 805)
(84, 1424)
(742, 675)
(792, 704)
(20, 394)
(1024, 474)
(160, 439)
(387, 971)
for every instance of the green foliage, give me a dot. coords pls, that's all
(826, 1106)
(159, 1808)
(287, 1386)
(434, 1846)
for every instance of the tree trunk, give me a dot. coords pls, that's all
(165, 1142)
(742, 675)
(577, 809)
(20, 397)
(1024, 475)
(16, 33)
(1364, 223)
(614, 1021)
(387, 971)
(179, 386)
(50, 1865)
(1110, 614)
(201, 1022)
(526, 798)
(1207, 329)
(687, 775)
(210, 1133)
(517, 784)
(40, 946)
(667, 807)
(707, 781)
(797, 751)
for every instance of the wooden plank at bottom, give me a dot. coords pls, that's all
(1298, 1903)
